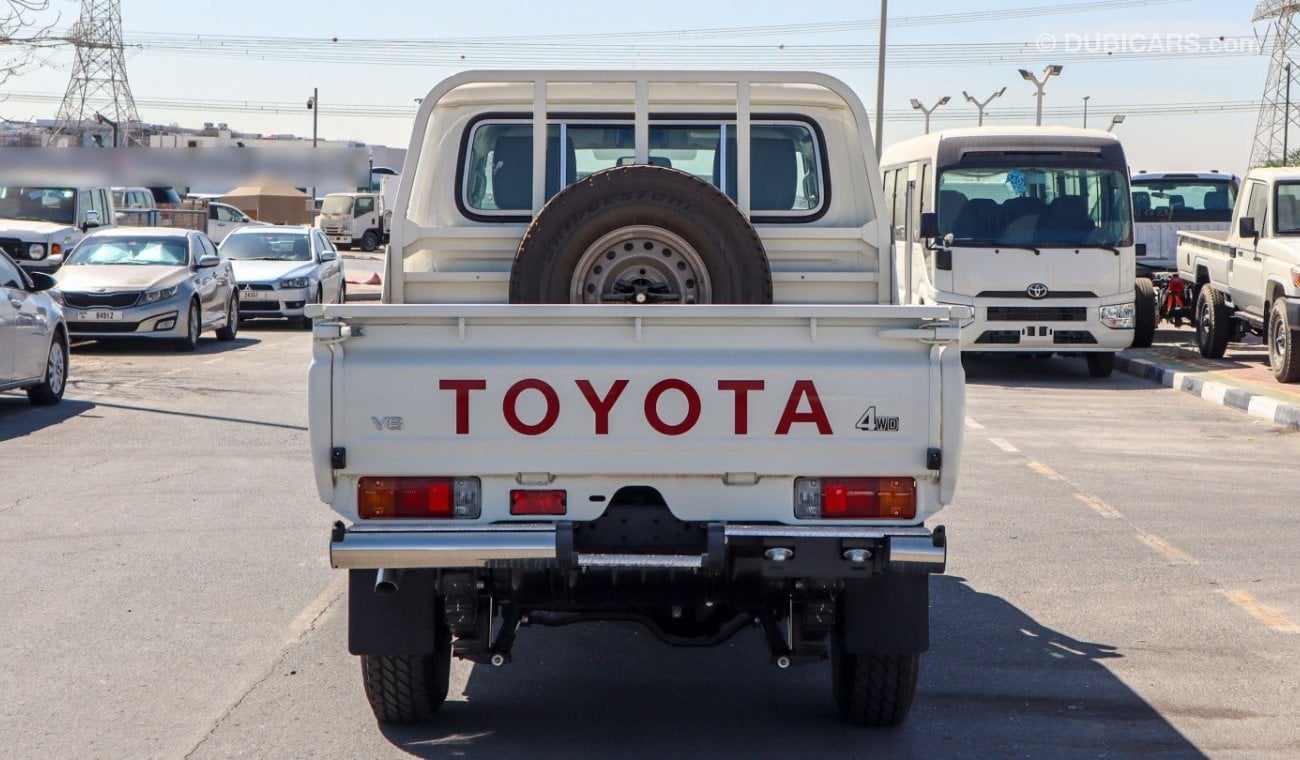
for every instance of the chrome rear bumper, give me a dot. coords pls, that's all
(907, 549)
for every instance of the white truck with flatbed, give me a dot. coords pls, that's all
(1247, 280)
(636, 361)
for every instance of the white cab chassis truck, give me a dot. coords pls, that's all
(1032, 227)
(355, 220)
(1248, 278)
(636, 360)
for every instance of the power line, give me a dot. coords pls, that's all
(898, 114)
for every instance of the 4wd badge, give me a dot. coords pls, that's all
(875, 423)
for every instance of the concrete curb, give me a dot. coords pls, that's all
(1254, 404)
(355, 295)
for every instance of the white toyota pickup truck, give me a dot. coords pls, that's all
(637, 360)
(1248, 278)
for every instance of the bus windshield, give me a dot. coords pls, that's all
(1038, 207)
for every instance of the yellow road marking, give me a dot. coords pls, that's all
(1046, 471)
(1261, 612)
(312, 612)
(1100, 507)
(1166, 550)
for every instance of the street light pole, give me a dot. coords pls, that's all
(313, 105)
(1085, 110)
(980, 105)
(880, 81)
(927, 111)
(1115, 121)
(1048, 73)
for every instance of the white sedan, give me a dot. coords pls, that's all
(281, 269)
(33, 335)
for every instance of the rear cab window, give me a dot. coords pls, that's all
(787, 177)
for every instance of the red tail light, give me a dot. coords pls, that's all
(538, 502)
(855, 498)
(415, 498)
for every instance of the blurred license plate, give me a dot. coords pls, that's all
(101, 315)
(254, 295)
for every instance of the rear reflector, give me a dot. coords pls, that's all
(855, 498)
(415, 498)
(538, 502)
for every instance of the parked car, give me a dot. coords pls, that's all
(149, 282)
(281, 269)
(224, 219)
(33, 335)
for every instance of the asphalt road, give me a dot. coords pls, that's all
(1122, 582)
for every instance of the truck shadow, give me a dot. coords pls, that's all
(996, 683)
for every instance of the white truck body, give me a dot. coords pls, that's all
(358, 220)
(1033, 230)
(1247, 279)
(713, 418)
(1166, 203)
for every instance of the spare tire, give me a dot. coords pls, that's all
(641, 234)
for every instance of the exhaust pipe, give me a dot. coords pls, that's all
(386, 582)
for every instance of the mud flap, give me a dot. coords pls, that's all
(395, 624)
(887, 614)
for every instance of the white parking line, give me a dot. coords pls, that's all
(973, 425)
(1004, 445)
(1166, 550)
(1261, 612)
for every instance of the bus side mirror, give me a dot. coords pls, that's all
(929, 225)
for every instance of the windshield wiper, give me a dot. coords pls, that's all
(996, 244)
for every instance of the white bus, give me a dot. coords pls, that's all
(1032, 226)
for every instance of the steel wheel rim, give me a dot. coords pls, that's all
(1202, 316)
(57, 367)
(1277, 346)
(641, 264)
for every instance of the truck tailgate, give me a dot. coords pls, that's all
(718, 407)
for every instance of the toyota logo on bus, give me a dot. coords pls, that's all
(1036, 291)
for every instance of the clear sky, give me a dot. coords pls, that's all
(1177, 41)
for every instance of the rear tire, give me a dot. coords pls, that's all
(1145, 314)
(872, 689)
(1101, 364)
(1213, 318)
(1282, 340)
(408, 688)
(50, 390)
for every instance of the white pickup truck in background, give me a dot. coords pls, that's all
(1248, 278)
(1166, 203)
(639, 362)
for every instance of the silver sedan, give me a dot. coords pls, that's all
(33, 336)
(149, 282)
(283, 268)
